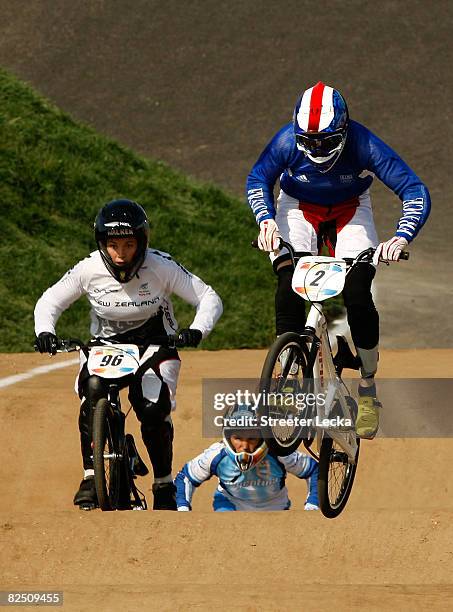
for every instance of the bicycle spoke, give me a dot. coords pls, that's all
(336, 477)
(338, 474)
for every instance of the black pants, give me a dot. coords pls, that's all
(154, 417)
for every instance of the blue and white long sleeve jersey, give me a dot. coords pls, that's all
(260, 488)
(363, 153)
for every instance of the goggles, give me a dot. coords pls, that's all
(319, 145)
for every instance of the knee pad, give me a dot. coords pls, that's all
(357, 288)
(152, 414)
(363, 317)
(94, 388)
(149, 412)
(289, 307)
(284, 278)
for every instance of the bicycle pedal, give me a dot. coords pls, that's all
(87, 507)
(138, 466)
(339, 457)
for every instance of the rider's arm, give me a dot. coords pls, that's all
(193, 290)
(388, 166)
(299, 465)
(57, 299)
(194, 473)
(264, 174)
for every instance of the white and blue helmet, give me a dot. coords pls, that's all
(241, 420)
(320, 125)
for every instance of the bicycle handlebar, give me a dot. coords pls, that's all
(70, 345)
(364, 256)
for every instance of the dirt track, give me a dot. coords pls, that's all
(391, 548)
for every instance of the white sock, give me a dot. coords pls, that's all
(88, 473)
(366, 382)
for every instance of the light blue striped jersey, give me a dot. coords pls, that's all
(257, 489)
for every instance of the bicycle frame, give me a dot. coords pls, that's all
(321, 367)
(327, 383)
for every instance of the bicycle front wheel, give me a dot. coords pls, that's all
(106, 456)
(283, 389)
(336, 477)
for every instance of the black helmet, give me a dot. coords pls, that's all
(120, 219)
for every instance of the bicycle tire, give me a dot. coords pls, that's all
(107, 471)
(334, 492)
(282, 441)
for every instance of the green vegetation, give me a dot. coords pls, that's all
(55, 174)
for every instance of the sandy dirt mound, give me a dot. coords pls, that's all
(391, 548)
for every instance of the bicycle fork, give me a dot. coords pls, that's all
(321, 367)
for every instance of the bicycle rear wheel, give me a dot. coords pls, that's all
(282, 386)
(336, 477)
(107, 459)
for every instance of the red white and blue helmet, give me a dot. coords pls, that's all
(320, 125)
(242, 421)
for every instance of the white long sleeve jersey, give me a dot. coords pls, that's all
(117, 308)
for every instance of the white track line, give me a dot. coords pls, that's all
(12, 380)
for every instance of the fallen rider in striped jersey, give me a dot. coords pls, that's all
(250, 477)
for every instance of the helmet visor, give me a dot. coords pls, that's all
(249, 434)
(319, 145)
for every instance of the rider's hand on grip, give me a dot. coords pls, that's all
(269, 238)
(190, 337)
(46, 343)
(390, 250)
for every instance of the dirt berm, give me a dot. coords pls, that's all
(391, 549)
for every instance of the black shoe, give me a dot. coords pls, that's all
(86, 496)
(164, 496)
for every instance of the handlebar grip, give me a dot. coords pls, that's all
(173, 341)
(68, 343)
(254, 243)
